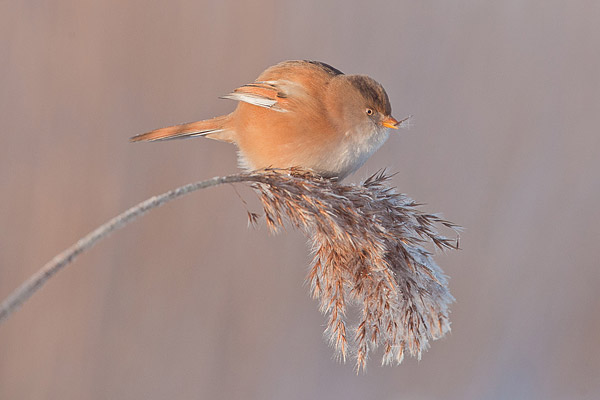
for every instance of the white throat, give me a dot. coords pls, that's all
(358, 145)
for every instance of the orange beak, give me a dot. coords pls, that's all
(390, 122)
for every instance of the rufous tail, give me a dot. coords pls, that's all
(215, 128)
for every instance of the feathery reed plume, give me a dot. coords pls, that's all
(368, 251)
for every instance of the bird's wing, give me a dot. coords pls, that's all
(273, 95)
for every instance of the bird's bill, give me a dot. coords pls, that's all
(390, 122)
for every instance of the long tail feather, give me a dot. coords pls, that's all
(214, 128)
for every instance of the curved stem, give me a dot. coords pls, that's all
(36, 281)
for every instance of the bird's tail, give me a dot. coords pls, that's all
(215, 128)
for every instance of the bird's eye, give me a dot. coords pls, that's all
(369, 111)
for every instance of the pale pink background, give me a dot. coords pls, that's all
(189, 303)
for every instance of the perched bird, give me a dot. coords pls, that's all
(303, 114)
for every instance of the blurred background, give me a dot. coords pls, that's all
(189, 302)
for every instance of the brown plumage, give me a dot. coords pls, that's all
(303, 114)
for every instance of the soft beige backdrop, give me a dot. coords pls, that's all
(189, 303)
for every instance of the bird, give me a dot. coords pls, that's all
(299, 114)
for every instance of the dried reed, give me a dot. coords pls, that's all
(368, 250)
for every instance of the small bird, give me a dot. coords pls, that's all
(304, 114)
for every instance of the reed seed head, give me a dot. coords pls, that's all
(369, 251)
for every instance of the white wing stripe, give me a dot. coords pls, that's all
(255, 100)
